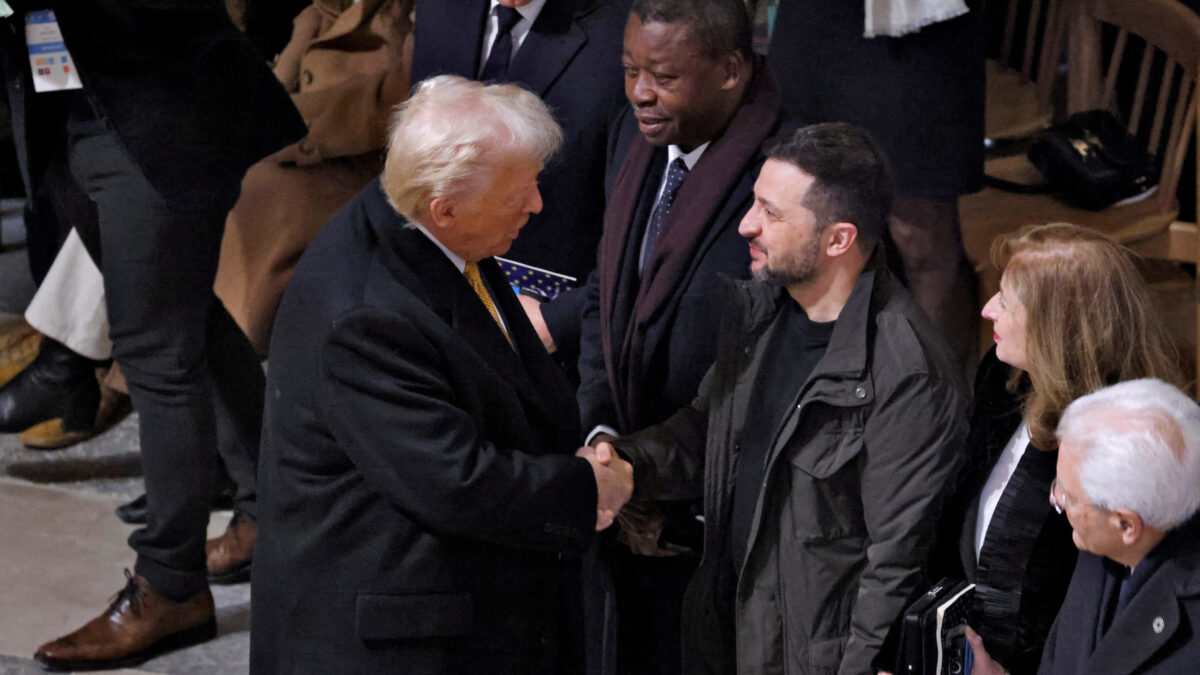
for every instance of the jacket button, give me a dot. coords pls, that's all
(308, 77)
(1158, 624)
(859, 392)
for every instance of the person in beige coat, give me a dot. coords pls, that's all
(346, 65)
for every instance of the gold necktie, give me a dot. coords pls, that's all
(471, 272)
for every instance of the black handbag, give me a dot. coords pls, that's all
(1093, 162)
(927, 638)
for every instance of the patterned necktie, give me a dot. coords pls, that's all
(658, 217)
(471, 272)
(497, 61)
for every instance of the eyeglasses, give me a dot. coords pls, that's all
(1060, 500)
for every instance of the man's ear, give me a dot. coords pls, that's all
(840, 237)
(733, 68)
(1128, 524)
(442, 212)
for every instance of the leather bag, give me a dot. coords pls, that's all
(1093, 162)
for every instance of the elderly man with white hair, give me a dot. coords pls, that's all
(1129, 482)
(421, 507)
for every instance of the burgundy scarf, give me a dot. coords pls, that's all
(700, 199)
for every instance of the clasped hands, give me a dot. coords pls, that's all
(614, 481)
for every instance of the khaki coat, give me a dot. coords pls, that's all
(347, 65)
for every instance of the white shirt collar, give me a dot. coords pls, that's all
(454, 258)
(529, 12)
(689, 158)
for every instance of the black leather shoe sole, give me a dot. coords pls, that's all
(184, 638)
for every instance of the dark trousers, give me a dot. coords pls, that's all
(193, 376)
(649, 604)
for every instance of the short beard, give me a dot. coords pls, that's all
(800, 267)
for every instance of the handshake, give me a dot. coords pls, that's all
(614, 481)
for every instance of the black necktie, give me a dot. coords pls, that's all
(497, 61)
(658, 217)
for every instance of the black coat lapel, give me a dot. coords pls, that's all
(549, 390)
(1133, 628)
(1154, 614)
(449, 294)
(548, 48)
(419, 265)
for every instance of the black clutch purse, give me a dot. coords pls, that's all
(931, 640)
(1093, 162)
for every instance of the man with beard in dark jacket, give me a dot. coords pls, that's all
(821, 436)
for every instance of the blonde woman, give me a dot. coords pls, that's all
(1072, 316)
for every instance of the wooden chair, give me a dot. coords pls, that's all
(1021, 75)
(1155, 44)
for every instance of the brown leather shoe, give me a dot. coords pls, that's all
(230, 555)
(138, 624)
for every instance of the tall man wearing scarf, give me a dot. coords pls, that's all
(682, 166)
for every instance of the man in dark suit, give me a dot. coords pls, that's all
(174, 105)
(1128, 471)
(569, 53)
(420, 501)
(683, 161)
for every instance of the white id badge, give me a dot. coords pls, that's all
(51, 65)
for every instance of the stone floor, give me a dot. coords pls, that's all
(62, 550)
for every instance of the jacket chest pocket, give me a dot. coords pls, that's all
(824, 500)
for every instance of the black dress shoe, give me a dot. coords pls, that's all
(58, 385)
(114, 407)
(135, 512)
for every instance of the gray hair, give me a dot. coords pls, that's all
(449, 135)
(1140, 447)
